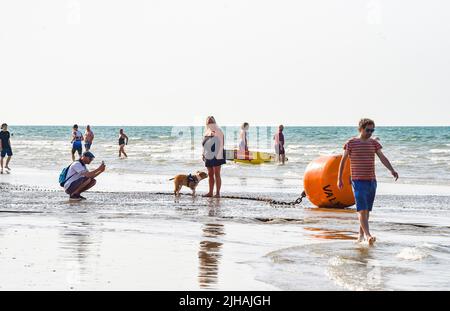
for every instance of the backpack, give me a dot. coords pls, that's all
(63, 176)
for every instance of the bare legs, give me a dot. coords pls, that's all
(73, 154)
(214, 178)
(7, 163)
(281, 158)
(122, 150)
(364, 227)
(361, 234)
(211, 182)
(218, 180)
(6, 166)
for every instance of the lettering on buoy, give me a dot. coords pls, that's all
(329, 193)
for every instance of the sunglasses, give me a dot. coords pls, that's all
(369, 130)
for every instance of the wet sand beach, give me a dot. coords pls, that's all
(143, 241)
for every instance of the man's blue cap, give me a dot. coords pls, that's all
(88, 154)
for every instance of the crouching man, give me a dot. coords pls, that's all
(80, 178)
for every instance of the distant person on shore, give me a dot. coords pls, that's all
(243, 144)
(77, 145)
(213, 155)
(361, 150)
(279, 145)
(88, 138)
(123, 140)
(79, 178)
(5, 147)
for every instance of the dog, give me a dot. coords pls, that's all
(190, 181)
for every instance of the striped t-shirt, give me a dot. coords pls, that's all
(362, 157)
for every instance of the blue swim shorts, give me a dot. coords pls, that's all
(364, 191)
(6, 151)
(77, 147)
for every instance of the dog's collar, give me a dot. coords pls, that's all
(192, 178)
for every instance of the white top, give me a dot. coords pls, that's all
(78, 135)
(75, 172)
(217, 140)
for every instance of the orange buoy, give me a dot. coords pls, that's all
(320, 182)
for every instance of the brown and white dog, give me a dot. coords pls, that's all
(190, 181)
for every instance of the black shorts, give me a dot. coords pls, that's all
(6, 152)
(214, 162)
(78, 149)
(74, 185)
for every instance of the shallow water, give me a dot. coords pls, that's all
(420, 154)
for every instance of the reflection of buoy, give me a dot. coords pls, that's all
(320, 182)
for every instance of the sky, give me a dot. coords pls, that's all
(174, 62)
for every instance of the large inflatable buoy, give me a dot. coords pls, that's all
(320, 182)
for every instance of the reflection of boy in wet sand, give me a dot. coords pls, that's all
(209, 255)
(361, 151)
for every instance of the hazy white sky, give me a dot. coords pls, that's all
(136, 62)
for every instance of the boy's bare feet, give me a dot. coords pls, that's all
(372, 240)
(7, 167)
(208, 195)
(360, 239)
(217, 196)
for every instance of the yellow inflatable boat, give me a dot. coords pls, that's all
(250, 157)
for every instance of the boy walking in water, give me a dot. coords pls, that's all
(5, 147)
(361, 150)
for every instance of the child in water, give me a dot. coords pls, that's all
(361, 150)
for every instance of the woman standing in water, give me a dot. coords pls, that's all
(123, 140)
(213, 155)
(243, 144)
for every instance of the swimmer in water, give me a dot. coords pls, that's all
(123, 140)
(88, 138)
